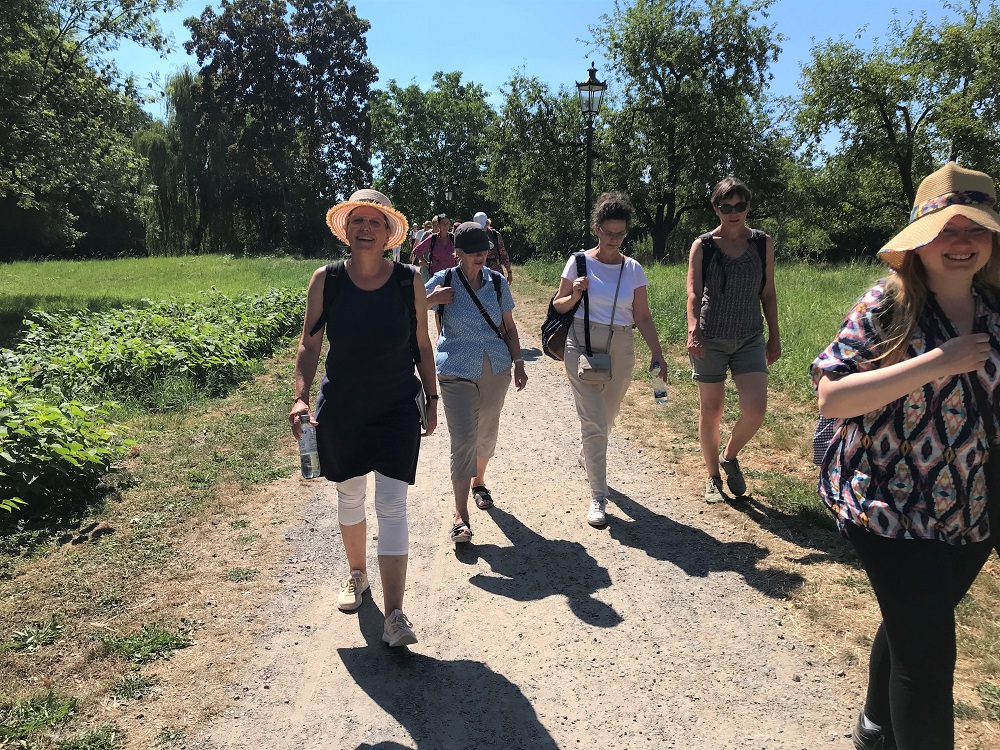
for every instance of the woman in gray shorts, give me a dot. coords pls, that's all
(730, 280)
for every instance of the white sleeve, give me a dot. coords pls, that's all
(569, 271)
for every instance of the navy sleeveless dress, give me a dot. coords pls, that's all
(367, 414)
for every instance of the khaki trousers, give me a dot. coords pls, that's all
(473, 411)
(597, 404)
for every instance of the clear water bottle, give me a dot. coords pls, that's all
(308, 451)
(659, 387)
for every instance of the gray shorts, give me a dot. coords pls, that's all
(739, 355)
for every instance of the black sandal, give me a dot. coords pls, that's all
(460, 532)
(482, 496)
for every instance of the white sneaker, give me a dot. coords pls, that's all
(398, 630)
(349, 598)
(597, 516)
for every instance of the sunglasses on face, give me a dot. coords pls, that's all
(728, 208)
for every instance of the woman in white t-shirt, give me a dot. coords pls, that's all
(616, 291)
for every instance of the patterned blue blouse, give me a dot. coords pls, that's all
(466, 336)
(913, 469)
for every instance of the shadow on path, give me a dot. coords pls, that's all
(534, 568)
(441, 704)
(694, 551)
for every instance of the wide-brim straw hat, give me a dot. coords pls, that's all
(950, 191)
(336, 217)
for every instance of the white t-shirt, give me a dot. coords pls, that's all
(603, 280)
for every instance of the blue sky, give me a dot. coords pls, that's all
(488, 41)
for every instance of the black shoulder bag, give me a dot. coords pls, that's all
(556, 325)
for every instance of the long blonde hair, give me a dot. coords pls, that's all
(906, 293)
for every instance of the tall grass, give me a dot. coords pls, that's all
(812, 303)
(105, 284)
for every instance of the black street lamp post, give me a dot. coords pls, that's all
(591, 92)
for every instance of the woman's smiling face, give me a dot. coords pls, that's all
(366, 229)
(961, 249)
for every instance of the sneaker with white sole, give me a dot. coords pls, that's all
(398, 630)
(713, 491)
(734, 477)
(349, 598)
(596, 516)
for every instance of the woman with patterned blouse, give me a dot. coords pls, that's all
(476, 352)
(905, 475)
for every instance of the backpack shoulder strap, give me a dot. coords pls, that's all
(708, 251)
(331, 288)
(761, 243)
(440, 308)
(404, 280)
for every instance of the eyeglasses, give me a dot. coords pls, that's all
(359, 222)
(728, 208)
(973, 232)
(612, 235)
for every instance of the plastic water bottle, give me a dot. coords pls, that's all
(308, 451)
(659, 387)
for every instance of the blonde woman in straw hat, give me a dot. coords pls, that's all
(912, 375)
(367, 418)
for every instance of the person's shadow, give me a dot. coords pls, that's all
(441, 704)
(694, 551)
(534, 568)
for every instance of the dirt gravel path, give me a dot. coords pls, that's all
(662, 630)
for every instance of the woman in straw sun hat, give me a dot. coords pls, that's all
(367, 418)
(911, 375)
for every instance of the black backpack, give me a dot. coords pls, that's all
(709, 250)
(404, 281)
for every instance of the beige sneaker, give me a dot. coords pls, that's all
(713, 490)
(398, 630)
(350, 593)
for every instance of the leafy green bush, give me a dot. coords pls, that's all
(119, 353)
(50, 453)
(55, 447)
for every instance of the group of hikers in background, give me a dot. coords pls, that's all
(909, 379)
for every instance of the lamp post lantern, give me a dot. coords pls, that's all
(591, 93)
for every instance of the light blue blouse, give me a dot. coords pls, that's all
(465, 336)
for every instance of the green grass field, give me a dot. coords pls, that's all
(103, 284)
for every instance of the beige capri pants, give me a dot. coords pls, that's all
(472, 408)
(597, 404)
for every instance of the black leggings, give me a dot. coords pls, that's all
(918, 584)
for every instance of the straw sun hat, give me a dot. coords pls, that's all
(950, 191)
(336, 217)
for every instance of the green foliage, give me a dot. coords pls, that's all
(427, 142)
(105, 737)
(134, 687)
(989, 694)
(21, 719)
(691, 107)
(67, 118)
(34, 635)
(536, 166)
(269, 131)
(241, 575)
(50, 453)
(170, 737)
(151, 643)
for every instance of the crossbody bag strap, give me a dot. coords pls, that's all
(482, 310)
(614, 305)
(586, 314)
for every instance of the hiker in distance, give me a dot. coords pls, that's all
(367, 417)
(476, 352)
(730, 279)
(613, 292)
(910, 475)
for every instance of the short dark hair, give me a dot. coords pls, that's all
(613, 206)
(727, 188)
